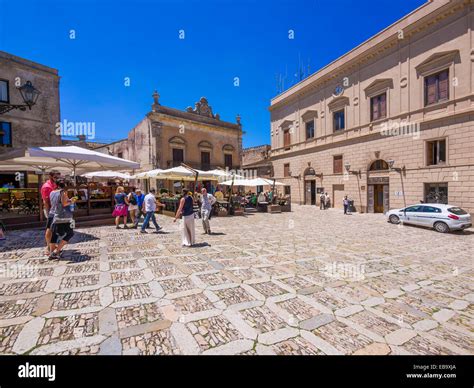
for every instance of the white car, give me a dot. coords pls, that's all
(443, 218)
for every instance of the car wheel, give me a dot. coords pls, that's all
(394, 219)
(441, 227)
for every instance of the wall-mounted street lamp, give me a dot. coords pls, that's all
(347, 166)
(28, 93)
(391, 162)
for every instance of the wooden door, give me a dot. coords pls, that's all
(313, 192)
(378, 199)
(338, 196)
(307, 192)
(370, 198)
(386, 198)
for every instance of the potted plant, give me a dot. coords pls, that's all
(238, 209)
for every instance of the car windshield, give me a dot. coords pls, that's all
(457, 210)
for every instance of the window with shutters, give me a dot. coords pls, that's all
(286, 139)
(339, 120)
(436, 152)
(178, 156)
(437, 87)
(5, 134)
(378, 107)
(286, 169)
(228, 160)
(205, 160)
(337, 164)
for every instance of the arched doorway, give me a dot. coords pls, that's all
(310, 186)
(378, 193)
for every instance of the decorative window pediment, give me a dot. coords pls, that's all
(205, 144)
(437, 60)
(228, 147)
(286, 124)
(338, 103)
(176, 140)
(309, 115)
(378, 86)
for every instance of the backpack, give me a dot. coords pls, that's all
(63, 214)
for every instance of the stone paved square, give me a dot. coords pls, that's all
(298, 309)
(157, 342)
(68, 328)
(241, 294)
(296, 346)
(212, 332)
(234, 295)
(133, 291)
(262, 319)
(193, 303)
(342, 337)
(138, 314)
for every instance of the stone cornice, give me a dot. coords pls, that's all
(421, 18)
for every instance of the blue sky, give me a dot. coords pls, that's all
(224, 39)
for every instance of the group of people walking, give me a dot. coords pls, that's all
(59, 210)
(137, 204)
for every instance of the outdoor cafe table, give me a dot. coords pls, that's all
(262, 206)
(222, 203)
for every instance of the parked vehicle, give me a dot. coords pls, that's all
(442, 218)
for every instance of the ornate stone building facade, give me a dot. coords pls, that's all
(391, 122)
(166, 137)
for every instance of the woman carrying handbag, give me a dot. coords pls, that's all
(121, 207)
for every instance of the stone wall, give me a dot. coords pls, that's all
(35, 127)
(406, 151)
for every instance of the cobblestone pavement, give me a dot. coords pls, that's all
(306, 282)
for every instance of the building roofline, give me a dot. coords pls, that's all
(161, 109)
(256, 147)
(108, 144)
(28, 63)
(365, 47)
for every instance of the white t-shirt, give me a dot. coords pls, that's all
(207, 201)
(150, 202)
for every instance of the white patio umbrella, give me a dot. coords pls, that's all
(219, 175)
(148, 174)
(107, 174)
(180, 173)
(252, 182)
(76, 158)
